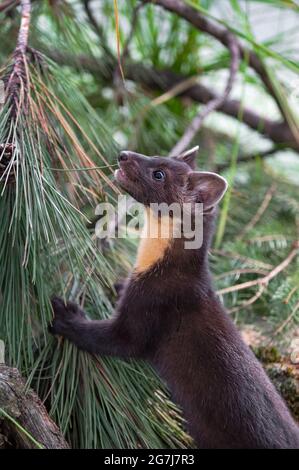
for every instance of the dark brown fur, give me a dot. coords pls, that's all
(170, 316)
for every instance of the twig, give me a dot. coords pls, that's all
(285, 322)
(172, 92)
(268, 238)
(214, 104)
(250, 301)
(283, 264)
(290, 294)
(242, 271)
(117, 37)
(92, 20)
(118, 75)
(246, 259)
(266, 279)
(265, 203)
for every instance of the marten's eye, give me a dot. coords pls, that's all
(159, 175)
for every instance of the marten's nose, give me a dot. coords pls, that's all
(123, 156)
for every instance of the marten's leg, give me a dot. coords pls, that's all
(104, 337)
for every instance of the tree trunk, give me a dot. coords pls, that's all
(22, 406)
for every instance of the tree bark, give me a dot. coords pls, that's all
(24, 407)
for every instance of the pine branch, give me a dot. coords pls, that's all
(244, 259)
(195, 18)
(265, 203)
(250, 301)
(266, 279)
(285, 322)
(164, 80)
(18, 78)
(154, 79)
(22, 41)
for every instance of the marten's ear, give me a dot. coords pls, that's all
(189, 157)
(206, 187)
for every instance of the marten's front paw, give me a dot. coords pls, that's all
(64, 316)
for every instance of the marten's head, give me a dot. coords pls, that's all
(168, 180)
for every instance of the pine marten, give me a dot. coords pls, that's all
(169, 315)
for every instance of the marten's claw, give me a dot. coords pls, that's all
(64, 315)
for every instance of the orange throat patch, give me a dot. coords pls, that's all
(156, 237)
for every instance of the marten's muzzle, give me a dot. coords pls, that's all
(131, 166)
(134, 174)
